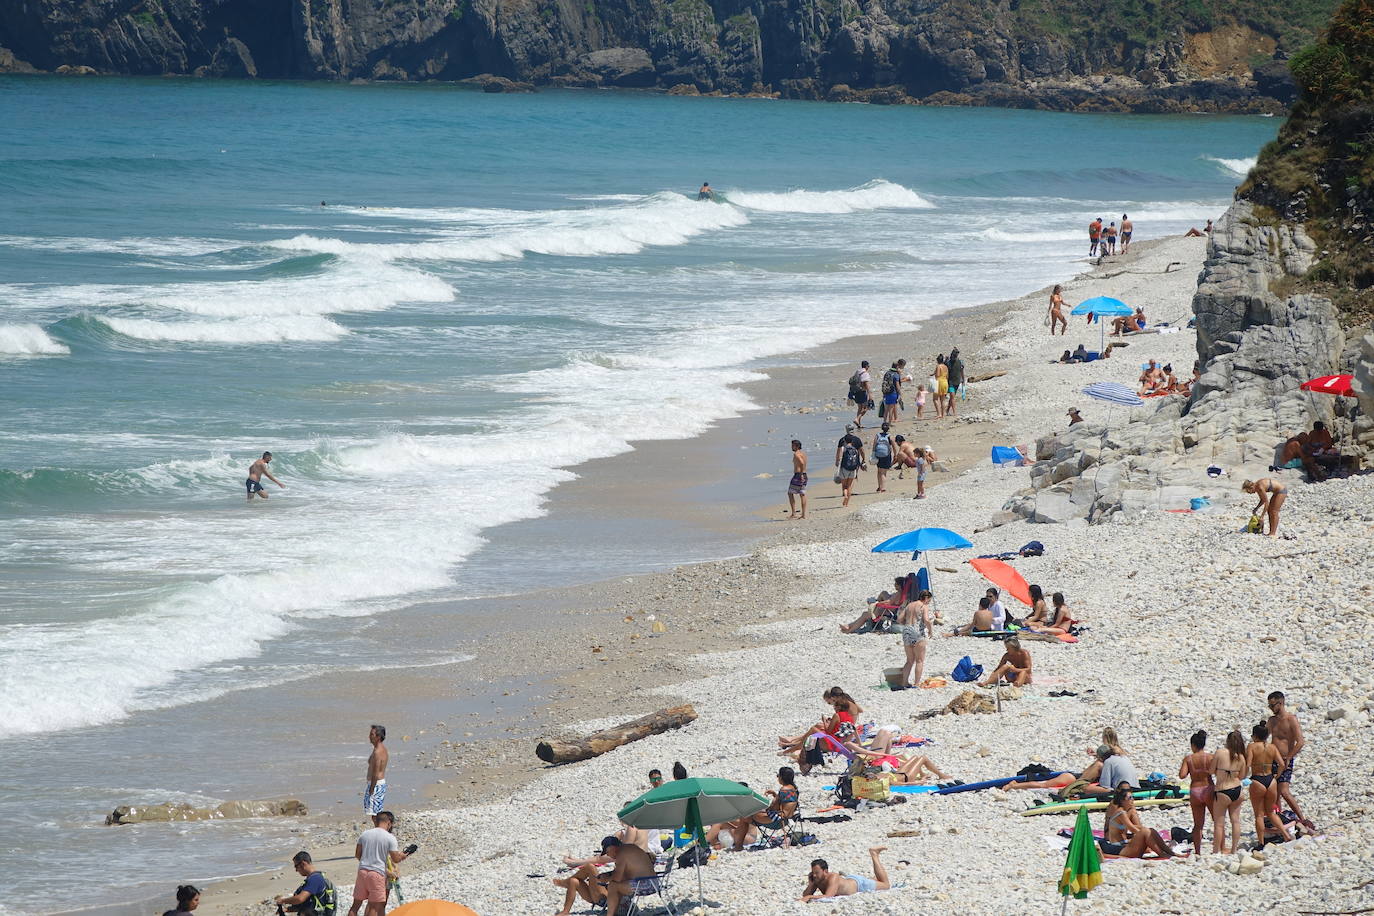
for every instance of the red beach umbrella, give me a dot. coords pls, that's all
(1004, 577)
(1331, 384)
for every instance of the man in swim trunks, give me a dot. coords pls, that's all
(255, 473)
(1295, 455)
(375, 794)
(706, 193)
(906, 456)
(1127, 227)
(822, 882)
(1109, 239)
(1014, 667)
(797, 485)
(1286, 733)
(1094, 233)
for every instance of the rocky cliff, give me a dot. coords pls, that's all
(1285, 295)
(1066, 54)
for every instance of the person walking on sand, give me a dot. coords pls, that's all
(1057, 310)
(861, 392)
(849, 459)
(1127, 227)
(1289, 742)
(882, 451)
(1109, 238)
(1094, 234)
(892, 390)
(1272, 495)
(941, 385)
(255, 473)
(374, 796)
(796, 487)
(374, 849)
(955, 367)
(821, 882)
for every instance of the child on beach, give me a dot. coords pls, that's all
(920, 402)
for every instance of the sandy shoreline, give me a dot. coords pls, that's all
(750, 639)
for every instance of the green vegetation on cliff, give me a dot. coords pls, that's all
(1320, 169)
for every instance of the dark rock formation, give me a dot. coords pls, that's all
(881, 51)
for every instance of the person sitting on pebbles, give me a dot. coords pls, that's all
(1014, 667)
(917, 769)
(1124, 835)
(822, 883)
(982, 619)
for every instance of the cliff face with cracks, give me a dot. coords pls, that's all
(1025, 53)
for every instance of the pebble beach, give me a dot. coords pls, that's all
(1191, 624)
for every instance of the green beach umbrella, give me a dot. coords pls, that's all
(692, 803)
(1083, 866)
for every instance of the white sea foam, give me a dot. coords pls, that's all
(500, 235)
(28, 340)
(255, 330)
(1238, 167)
(995, 234)
(157, 247)
(875, 195)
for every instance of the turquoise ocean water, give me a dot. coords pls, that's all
(501, 288)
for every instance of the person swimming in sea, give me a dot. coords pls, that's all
(255, 474)
(706, 193)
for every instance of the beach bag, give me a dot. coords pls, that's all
(874, 788)
(966, 670)
(1033, 549)
(882, 448)
(697, 855)
(1254, 525)
(849, 458)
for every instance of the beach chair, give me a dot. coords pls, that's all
(654, 886)
(789, 828)
(885, 613)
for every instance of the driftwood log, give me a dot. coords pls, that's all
(984, 378)
(598, 743)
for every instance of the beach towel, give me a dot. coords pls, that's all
(1007, 454)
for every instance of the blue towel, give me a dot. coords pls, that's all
(1005, 454)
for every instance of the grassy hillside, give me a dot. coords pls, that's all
(1320, 169)
(1091, 23)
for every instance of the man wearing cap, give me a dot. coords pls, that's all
(849, 460)
(1074, 418)
(631, 862)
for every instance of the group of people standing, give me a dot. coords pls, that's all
(1102, 240)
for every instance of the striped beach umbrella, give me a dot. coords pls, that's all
(1113, 393)
(1083, 865)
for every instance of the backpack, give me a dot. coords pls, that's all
(849, 458)
(325, 903)
(889, 381)
(1033, 549)
(856, 386)
(966, 670)
(881, 447)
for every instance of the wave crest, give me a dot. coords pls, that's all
(271, 329)
(875, 195)
(1238, 167)
(28, 340)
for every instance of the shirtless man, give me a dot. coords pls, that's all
(982, 619)
(1015, 666)
(1151, 378)
(630, 862)
(1288, 740)
(375, 794)
(705, 192)
(1127, 227)
(796, 487)
(1109, 239)
(822, 882)
(255, 473)
(906, 457)
(1322, 447)
(1295, 456)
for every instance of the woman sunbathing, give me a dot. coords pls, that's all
(917, 769)
(1125, 835)
(1061, 620)
(783, 805)
(791, 744)
(886, 604)
(1040, 608)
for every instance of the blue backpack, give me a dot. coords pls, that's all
(966, 670)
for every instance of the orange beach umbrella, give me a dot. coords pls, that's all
(1004, 577)
(432, 908)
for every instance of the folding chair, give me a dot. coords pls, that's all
(655, 885)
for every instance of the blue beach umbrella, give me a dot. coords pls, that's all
(1100, 306)
(924, 539)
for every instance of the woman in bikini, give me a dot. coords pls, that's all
(790, 744)
(1040, 608)
(1197, 766)
(1057, 310)
(1272, 496)
(1228, 763)
(914, 623)
(941, 385)
(1265, 763)
(1058, 621)
(1124, 835)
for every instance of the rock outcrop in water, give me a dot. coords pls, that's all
(1120, 58)
(143, 814)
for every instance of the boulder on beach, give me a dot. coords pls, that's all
(180, 811)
